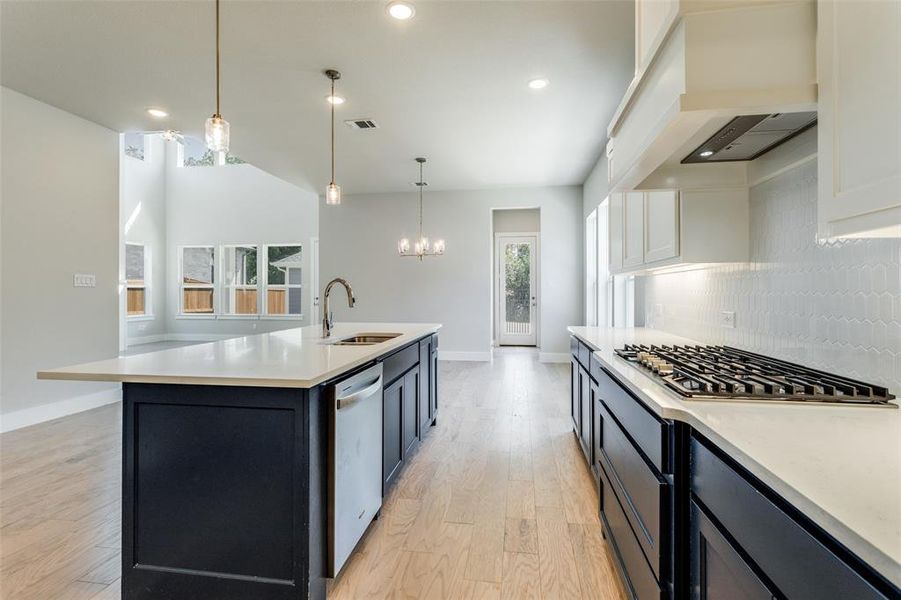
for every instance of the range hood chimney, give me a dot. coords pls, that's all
(749, 136)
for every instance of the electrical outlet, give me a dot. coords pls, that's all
(727, 319)
(84, 280)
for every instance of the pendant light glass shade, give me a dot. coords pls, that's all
(333, 194)
(217, 130)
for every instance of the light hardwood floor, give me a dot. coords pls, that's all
(496, 503)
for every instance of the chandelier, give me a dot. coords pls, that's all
(422, 246)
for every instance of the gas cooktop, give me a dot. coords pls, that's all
(712, 372)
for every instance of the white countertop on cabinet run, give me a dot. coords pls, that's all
(292, 358)
(839, 465)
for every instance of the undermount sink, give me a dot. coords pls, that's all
(366, 339)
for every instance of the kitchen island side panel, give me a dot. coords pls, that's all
(216, 493)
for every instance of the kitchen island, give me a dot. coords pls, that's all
(226, 454)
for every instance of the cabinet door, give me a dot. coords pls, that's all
(718, 570)
(652, 21)
(615, 235)
(633, 229)
(425, 363)
(858, 141)
(574, 398)
(410, 408)
(661, 231)
(433, 381)
(392, 444)
(585, 413)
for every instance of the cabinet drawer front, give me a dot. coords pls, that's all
(638, 574)
(645, 429)
(584, 354)
(594, 367)
(795, 561)
(400, 362)
(574, 346)
(641, 491)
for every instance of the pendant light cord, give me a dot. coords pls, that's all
(420, 202)
(218, 83)
(333, 129)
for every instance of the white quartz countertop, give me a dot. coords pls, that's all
(293, 358)
(839, 465)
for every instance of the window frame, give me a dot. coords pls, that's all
(224, 287)
(181, 284)
(147, 286)
(264, 313)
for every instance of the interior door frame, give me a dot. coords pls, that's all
(498, 237)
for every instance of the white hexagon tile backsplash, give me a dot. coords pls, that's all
(833, 305)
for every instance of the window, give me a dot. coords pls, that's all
(605, 281)
(137, 278)
(591, 269)
(135, 145)
(240, 285)
(284, 276)
(194, 153)
(197, 280)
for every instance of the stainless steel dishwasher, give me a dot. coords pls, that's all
(355, 461)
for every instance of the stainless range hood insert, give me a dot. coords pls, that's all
(749, 136)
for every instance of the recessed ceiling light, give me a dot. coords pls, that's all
(401, 11)
(334, 100)
(159, 113)
(538, 84)
(706, 153)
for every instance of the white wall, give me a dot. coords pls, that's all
(227, 205)
(517, 220)
(594, 190)
(59, 217)
(359, 242)
(142, 218)
(833, 304)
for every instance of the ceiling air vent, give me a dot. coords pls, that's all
(361, 124)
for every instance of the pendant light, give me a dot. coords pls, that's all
(333, 191)
(217, 128)
(421, 247)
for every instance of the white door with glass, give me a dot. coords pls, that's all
(517, 292)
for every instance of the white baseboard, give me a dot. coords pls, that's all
(47, 412)
(464, 356)
(145, 339)
(179, 337)
(553, 357)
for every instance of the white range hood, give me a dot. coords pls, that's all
(711, 68)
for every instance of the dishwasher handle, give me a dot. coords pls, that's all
(368, 389)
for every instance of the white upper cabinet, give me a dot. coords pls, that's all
(859, 132)
(661, 229)
(633, 229)
(615, 232)
(671, 229)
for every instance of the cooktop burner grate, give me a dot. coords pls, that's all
(726, 372)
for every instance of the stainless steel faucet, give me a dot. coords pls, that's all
(326, 314)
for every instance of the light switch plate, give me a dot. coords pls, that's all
(727, 319)
(84, 280)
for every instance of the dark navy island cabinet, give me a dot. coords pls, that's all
(224, 488)
(685, 521)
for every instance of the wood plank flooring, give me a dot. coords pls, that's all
(496, 503)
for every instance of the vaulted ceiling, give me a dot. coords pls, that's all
(450, 84)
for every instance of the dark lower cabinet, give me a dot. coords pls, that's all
(410, 409)
(392, 436)
(585, 420)
(433, 380)
(718, 570)
(574, 401)
(425, 385)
